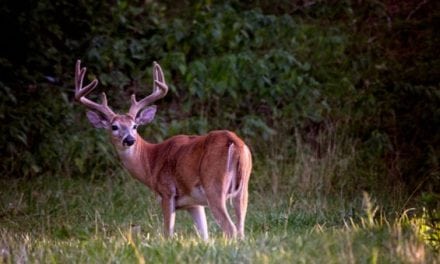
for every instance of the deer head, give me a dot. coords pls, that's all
(122, 127)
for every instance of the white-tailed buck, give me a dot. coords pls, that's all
(186, 172)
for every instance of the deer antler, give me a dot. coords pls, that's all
(160, 89)
(81, 92)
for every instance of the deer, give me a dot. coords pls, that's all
(186, 172)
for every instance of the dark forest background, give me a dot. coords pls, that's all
(347, 88)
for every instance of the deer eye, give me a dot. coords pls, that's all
(135, 127)
(114, 127)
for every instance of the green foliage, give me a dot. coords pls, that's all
(318, 90)
(40, 132)
(44, 135)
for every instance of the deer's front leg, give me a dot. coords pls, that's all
(169, 215)
(199, 217)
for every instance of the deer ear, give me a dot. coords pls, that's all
(96, 120)
(147, 115)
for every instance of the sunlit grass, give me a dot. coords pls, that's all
(64, 220)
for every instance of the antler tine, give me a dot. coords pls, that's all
(81, 92)
(79, 77)
(160, 89)
(157, 72)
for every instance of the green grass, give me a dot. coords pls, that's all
(65, 220)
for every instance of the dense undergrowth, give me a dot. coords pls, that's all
(278, 74)
(334, 98)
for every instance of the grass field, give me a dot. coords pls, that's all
(117, 220)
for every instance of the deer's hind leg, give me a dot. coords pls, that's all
(240, 203)
(217, 203)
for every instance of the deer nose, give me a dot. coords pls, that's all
(128, 141)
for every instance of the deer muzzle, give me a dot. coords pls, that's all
(128, 141)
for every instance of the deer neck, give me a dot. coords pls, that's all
(136, 160)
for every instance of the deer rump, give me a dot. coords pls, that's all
(189, 167)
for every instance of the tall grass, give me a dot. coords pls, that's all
(319, 171)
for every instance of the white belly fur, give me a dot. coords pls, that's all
(197, 197)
